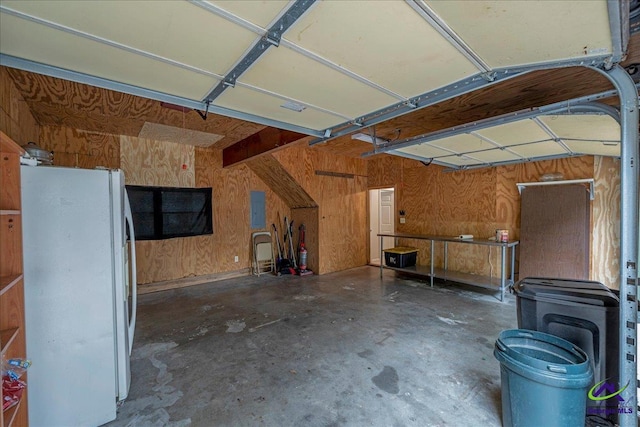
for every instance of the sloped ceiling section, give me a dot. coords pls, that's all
(306, 66)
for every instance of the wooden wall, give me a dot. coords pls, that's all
(444, 203)
(475, 202)
(231, 193)
(15, 118)
(160, 163)
(169, 259)
(605, 209)
(275, 175)
(605, 217)
(80, 149)
(336, 230)
(339, 185)
(157, 163)
(479, 201)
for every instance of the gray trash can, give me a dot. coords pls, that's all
(545, 379)
(582, 312)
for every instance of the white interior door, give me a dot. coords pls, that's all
(382, 220)
(387, 217)
(374, 240)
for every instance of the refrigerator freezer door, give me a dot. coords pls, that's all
(132, 278)
(124, 333)
(69, 295)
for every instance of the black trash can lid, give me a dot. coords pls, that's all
(574, 291)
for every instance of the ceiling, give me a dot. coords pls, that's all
(542, 137)
(400, 69)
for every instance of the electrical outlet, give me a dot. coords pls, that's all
(402, 220)
(235, 258)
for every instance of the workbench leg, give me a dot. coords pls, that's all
(381, 255)
(503, 263)
(431, 265)
(513, 264)
(446, 259)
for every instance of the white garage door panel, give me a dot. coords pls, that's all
(39, 43)
(385, 42)
(537, 31)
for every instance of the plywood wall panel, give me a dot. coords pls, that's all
(299, 164)
(384, 171)
(332, 163)
(342, 202)
(206, 161)
(343, 222)
(343, 227)
(147, 162)
(203, 247)
(467, 202)
(157, 163)
(16, 119)
(231, 216)
(159, 260)
(205, 261)
(232, 186)
(204, 255)
(276, 207)
(346, 146)
(81, 149)
(272, 172)
(79, 106)
(507, 211)
(447, 203)
(605, 238)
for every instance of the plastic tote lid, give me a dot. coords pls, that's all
(401, 250)
(575, 291)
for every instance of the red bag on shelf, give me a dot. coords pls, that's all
(11, 392)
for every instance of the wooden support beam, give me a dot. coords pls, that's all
(261, 142)
(271, 171)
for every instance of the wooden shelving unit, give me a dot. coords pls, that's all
(7, 336)
(12, 331)
(7, 282)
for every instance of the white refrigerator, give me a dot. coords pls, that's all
(80, 293)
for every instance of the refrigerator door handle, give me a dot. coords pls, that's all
(134, 282)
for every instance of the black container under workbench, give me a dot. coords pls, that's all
(584, 313)
(400, 257)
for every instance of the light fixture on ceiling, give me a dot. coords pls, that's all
(294, 106)
(368, 138)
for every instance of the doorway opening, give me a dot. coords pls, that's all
(381, 220)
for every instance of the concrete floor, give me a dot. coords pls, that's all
(343, 349)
